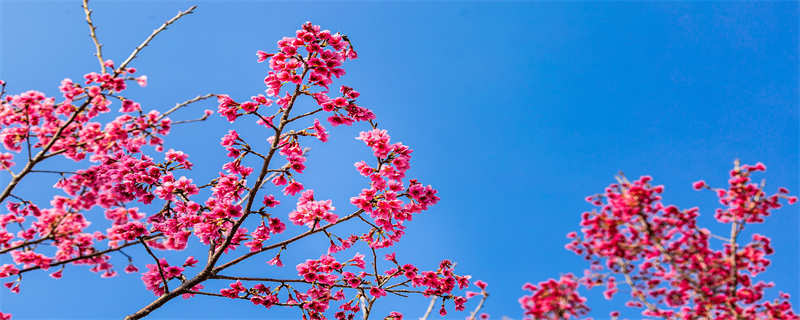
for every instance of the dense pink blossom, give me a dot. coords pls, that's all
(554, 299)
(310, 212)
(671, 265)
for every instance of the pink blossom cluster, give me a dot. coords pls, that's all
(153, 279)
(554, 299)
(329, 283)
(152, 203)
(674, 268)
(34, 119)
(310, 212)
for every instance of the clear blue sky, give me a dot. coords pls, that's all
(516, 112)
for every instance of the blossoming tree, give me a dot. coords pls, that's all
(120, 175)
(151, 201)
(670, 265)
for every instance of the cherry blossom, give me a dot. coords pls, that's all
(152, 201)
(673, 268)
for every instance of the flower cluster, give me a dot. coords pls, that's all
(554, 299)
(310, 212)
(328, 281)
(674, 267)
(152, 202)
(155, 276)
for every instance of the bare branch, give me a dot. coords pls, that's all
(24, 244)
(54, 171)
(97, 45)
(478, 308)
(305, 115)
(430, 308)
(150, 38)
(185, 103)
(212, 294)
(363, 303)
(222, 277)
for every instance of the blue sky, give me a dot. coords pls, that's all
(516, 112)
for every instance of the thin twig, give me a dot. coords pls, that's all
(185, 103)
(430, 308)
(223, 277)
(88, 256)
(478, 308)
(24, 244)
(635, 292)
(150, 38)
(54, 171)
(285, 242)
(97, 45)
(212, 294)
(28, 133)
(203, 118)
(305, 115)
(375, 266)
(734, 270)
(158, 263)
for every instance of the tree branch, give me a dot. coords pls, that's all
(16, 178)
(150, 38)
(158, 263)
(185, 103)
(430, 308)
(285, 242)
(88, 256)
(97, 45)
(478, 308)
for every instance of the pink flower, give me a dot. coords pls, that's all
(320, 131)
(377, 292)
(229, 139)
(276, 261)
(190, 262)
(276, 225)
(142, 81)
(358, 260)
(337, 120)
(262, 56)
(279, 180)
(5, 160)
(131, 269)
(310, 212)
(57, 274)
(269, 201)
(129, 106)
(378, 140)
(293, 188)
